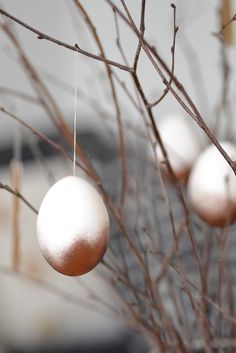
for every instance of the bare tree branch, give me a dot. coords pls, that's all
(75, 47)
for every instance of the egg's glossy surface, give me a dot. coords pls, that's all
(212, 186)
(73, 226)
(182, 144)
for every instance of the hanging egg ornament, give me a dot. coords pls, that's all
(212, 186)
(182, 143)
(73, 226)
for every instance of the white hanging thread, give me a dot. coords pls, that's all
(73, 234)
(75, 109)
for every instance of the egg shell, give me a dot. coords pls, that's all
(73, 226)
(182, 144)
(212, 186)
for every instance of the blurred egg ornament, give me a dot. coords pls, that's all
(182, 144)
(212, 186)
(73, 226)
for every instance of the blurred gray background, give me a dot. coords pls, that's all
(31, 317)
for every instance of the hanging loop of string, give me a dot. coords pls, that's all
(75, 108)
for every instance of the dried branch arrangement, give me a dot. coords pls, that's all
(168, 261)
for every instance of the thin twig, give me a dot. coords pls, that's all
(224, 26)
(19, 94)
(118, 43)
(76, 48)
(122, 151)
(19, 195)
(175, 30)
(142, 30)
(43, 137)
